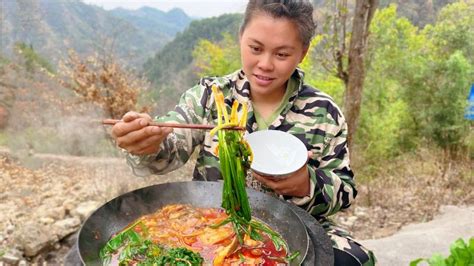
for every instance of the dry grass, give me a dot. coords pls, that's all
(407, 190)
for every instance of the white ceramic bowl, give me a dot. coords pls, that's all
(276, 153)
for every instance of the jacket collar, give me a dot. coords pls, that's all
(240, 91)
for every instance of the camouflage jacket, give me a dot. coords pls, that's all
(310, 115)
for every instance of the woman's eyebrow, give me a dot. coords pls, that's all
(277, 48)
(256, 41)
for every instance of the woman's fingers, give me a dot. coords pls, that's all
(131, 121)
(137, 135)
(152, 144)
(130, 116)
(266, 180)
(134, 134)
(147, 146)
(296, 184)
(123, 128)
(140, 140)
(269, 181)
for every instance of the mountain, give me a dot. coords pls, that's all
(170, 70)
(154, 21)
(177, 54)
(52, 27)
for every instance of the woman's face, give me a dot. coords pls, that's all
(271, 49)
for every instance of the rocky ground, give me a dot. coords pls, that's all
(41, 209)
(45, 198)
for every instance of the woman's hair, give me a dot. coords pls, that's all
(299, 12)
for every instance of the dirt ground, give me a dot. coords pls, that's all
(42, 191)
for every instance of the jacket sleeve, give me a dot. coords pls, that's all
(332, 186)
(176, 149)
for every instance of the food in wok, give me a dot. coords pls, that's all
(180, 234)
(186, 235)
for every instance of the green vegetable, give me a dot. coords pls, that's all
(293, 256)
(136, 249)
(462, 254)
(275, 237)
(126, 238)
(232, 155)
(175, 256)
(235, 158)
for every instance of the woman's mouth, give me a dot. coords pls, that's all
(263, 80)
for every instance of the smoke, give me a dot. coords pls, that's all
(43, 117)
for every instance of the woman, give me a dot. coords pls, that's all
(274, 39)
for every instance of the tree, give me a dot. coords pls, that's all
(363, 14)
(32, 60)
(396, 59)
(448, 127)
(434, 70)
(217, 59)
(451, 43)
(104, 83)
(347, 64)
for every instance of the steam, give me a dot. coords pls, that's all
(54, 131)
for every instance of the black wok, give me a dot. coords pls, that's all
(119, 212)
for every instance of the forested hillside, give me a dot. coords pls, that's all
(171, 71)
(419, 12)
(53, 27)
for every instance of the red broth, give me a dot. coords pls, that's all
(189, 227)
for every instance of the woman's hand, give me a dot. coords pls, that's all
(296, 184)
(135, 135)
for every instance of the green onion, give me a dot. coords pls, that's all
(235, 157)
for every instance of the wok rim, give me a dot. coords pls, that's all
(250, 191)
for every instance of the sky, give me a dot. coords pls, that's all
(194, 8)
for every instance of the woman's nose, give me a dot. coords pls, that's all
(265, 62)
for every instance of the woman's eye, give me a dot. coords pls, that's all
(255, 49)
(282, 55)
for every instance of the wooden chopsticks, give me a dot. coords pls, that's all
(174, 125)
